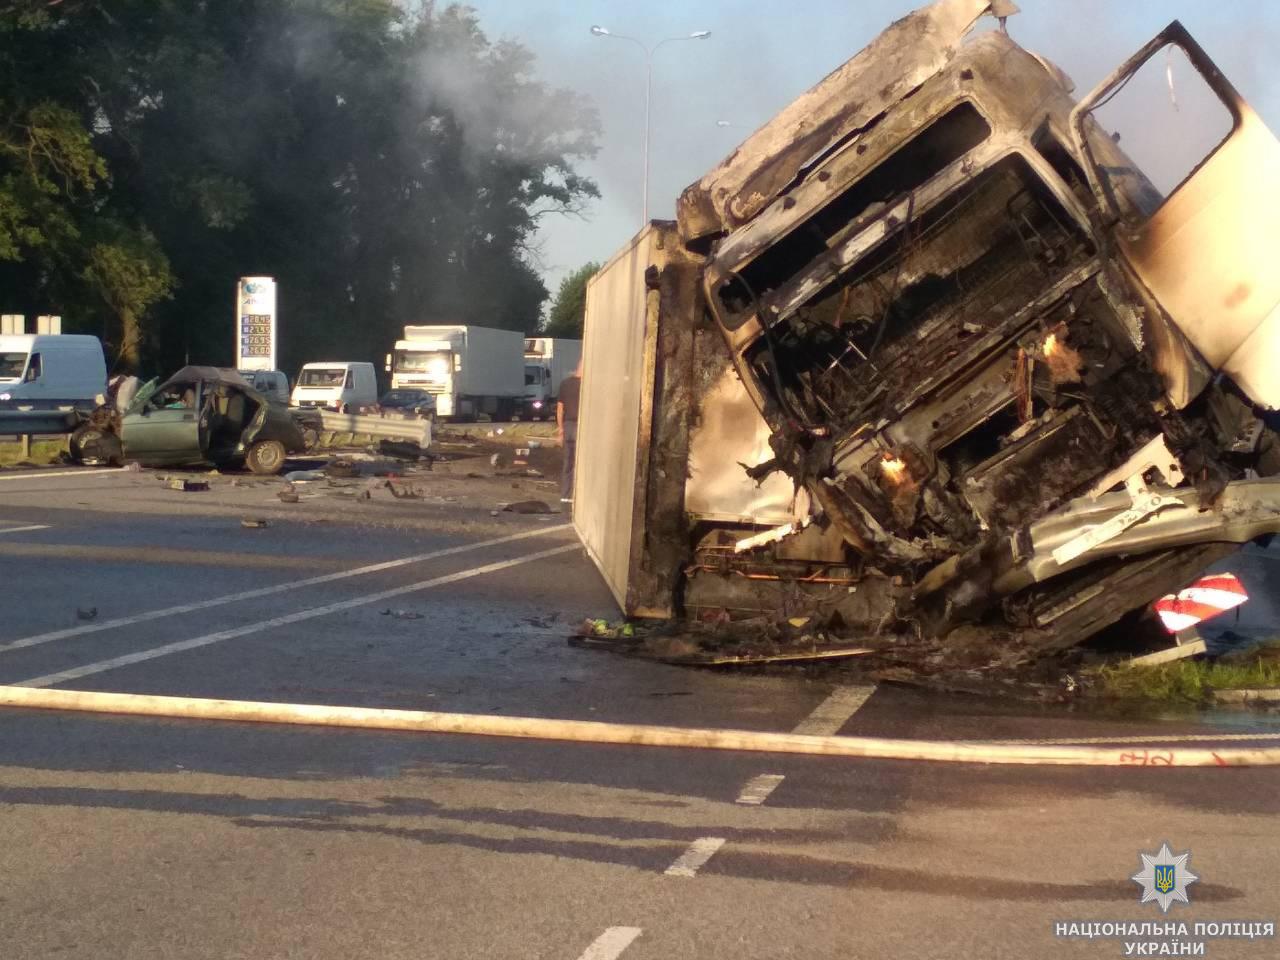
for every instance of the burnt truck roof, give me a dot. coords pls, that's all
(851, 97)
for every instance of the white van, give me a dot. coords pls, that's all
(48, 371)
(344, 387)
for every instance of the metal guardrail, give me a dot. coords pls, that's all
(416, 430)
(17, 423)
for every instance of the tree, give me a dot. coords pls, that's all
(386, 162)
(569, 309)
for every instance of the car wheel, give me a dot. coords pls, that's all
(266, 456)
(89, 445)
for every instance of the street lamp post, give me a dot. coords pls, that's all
(648, 88)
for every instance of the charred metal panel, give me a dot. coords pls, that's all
(633, 430)
(728, 434)
(847, 100)
(1207, 254)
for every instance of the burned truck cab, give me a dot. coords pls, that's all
(954, 301)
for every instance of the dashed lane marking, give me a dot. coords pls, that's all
(692, 860)
(34, 526)
(311, 613)
(49, 637)
(756, 790)
(834, 712)
(610, 944)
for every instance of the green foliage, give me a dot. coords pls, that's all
(569, 309)
(387, 163)
(1188, 681)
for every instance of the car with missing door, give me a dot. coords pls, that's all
(211, 415)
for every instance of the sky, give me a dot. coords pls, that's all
(763, 53)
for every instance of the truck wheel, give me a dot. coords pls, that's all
(265, 456)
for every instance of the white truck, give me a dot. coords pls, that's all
(470, 370)
(547, 361)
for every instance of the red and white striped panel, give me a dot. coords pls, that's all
(1207, 597)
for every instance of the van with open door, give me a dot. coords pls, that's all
(336, 385)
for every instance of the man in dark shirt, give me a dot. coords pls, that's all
(567, 429)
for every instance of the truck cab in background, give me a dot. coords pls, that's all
(547, 361)
(51, 371)
(469, 370)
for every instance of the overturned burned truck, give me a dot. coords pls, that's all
(928, 351)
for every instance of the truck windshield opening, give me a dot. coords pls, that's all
(422, 361)
(327, 377)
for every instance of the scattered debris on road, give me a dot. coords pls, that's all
(403, 614)
(528, 507)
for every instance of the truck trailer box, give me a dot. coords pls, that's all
(663, 428)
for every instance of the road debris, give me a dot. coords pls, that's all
(405, 491)
(288, 495)
(89, 614)
(722, 643)
(528, 507)
(188, 486)
(253, 524)
(403, 450)
(403, 614)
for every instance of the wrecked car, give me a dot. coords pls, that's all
(200, 415)
(931, 353)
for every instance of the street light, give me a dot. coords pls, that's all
(600, 31)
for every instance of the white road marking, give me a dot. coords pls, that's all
(34, 526)
(699, 852)
(46, 474)
(757, 789)
(180, 646)
(610, 944)
(40, 638)
(834, 712)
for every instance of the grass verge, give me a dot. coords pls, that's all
(43, 452)
(1190, 681)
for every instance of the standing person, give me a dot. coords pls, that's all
(567, 429)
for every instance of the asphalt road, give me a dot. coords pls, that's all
(133, 838)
